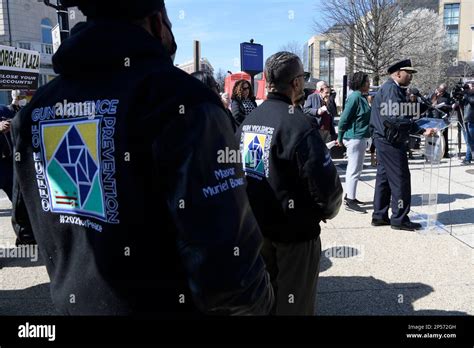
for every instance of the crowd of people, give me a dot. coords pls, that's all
(133, 212)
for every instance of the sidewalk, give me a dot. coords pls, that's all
(369, 270)
(364, 270)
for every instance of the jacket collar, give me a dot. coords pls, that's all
(280, 97)
(106, 45)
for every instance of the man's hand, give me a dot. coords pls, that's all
(4, 126)
(322, 110)
(429, 132)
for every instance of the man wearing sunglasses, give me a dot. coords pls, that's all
(293, 185)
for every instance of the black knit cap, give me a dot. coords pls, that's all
(124, 9)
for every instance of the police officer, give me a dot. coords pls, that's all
(119, 173)
(391, 124)
(292, 183)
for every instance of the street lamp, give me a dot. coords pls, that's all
(63, 17)
(329, 48)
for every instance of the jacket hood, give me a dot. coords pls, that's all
(104, 46)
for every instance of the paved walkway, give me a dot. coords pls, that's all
(364, 270)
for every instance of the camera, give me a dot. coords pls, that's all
(458, 91)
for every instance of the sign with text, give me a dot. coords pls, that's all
(340, 65)
(19, 69)
(56, 34)
(251, 57)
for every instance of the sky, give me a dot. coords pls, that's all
(221, 25)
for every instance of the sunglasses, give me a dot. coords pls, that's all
(296, 77)
(246, 88)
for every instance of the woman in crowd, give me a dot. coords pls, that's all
(243, 101)
(354, 134)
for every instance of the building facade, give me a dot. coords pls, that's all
(189, 66)
(27, 24)
(319, 47)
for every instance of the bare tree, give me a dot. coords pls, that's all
(373, 34)
(293, 47)
(427, 48)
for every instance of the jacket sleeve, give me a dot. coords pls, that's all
(319, 175)
(347, 115)
(20, 219)
(237, 112)
(396, 118)
(218, 238)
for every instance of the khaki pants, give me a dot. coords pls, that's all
(294, 271)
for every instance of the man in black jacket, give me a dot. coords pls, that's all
(292, 184)
(131, 210)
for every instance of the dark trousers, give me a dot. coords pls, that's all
(6, 176)
(294, 271)
(393, 183)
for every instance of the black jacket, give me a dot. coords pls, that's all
(292, 181)
(238, 111)
(129, 205)
(391, 114)
(6, 113)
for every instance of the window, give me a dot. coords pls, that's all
(46, 27)
(451, 23)
(311, 58)
(323, 62)
(24, 45)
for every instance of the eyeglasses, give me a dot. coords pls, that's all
(297, 77)
(246, 88)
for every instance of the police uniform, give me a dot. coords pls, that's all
(121, 180)
(391, 127)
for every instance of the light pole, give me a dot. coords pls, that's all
(472, 46)
(329, 48)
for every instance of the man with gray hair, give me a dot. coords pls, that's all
(322, 108)
(320, 85)
(293, 185)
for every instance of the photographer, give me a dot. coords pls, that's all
(441, 96)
